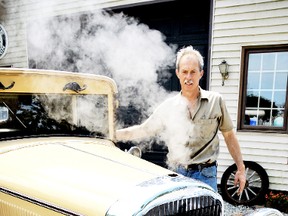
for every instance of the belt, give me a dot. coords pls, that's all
(200, 166)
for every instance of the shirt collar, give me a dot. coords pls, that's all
(203, 94)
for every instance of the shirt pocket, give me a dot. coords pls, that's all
(206, 128)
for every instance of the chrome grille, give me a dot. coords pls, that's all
(195, 206)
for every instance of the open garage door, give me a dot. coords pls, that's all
(182, 24)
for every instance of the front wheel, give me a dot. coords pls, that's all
(257, 184)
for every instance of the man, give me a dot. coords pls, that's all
(189, 122)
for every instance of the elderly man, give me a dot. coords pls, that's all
(189, 124)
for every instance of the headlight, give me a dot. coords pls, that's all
(136, 151)
(169, 196)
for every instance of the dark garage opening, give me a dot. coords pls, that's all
(182, 24)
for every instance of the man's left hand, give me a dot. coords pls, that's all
(240, 178)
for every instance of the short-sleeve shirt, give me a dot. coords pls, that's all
(184, 132)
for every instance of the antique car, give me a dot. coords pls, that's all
(58, 154)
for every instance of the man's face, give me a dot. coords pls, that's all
(189, 72)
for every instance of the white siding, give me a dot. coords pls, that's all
(243, 23)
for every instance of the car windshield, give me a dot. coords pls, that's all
(46, 114)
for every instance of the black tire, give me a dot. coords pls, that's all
(257, 184)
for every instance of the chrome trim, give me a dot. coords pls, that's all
(158, 191)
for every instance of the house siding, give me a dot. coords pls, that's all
(246, 23)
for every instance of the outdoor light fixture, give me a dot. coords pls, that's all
(223, 67)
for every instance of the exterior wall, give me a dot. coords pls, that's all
(16, 13)
(244, 23)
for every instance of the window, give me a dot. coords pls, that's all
(263, 97)
(39, 114)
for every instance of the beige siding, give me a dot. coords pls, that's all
(243, 23)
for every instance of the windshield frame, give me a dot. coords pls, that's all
(33, 82)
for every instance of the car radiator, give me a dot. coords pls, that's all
(195, 206)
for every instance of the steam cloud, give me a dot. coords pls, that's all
(115, 45)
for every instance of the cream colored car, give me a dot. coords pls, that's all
(58, 156)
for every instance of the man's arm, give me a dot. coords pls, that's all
(131, 133)
(150, 127)
(234, 149)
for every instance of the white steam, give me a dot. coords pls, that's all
(114, 45)
(120, 47)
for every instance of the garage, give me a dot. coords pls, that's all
(182, 24)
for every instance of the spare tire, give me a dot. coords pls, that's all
(257, 184)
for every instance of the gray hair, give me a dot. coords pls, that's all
(189, 50)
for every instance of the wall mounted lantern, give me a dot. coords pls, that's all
(223, 67)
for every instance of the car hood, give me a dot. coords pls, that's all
(74, 173)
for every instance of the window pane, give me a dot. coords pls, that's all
(254, 62)
(252, 93)
(252, 101)
(281, 80)
(282, 60)
(266, 118)
(279, 99)
(253, 80)
(265, 99)
(268, 61)
(278, 120)
(267, 81)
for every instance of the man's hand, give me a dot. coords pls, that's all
(240, 178)
(234, 149)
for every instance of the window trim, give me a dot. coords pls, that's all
(246, 50)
